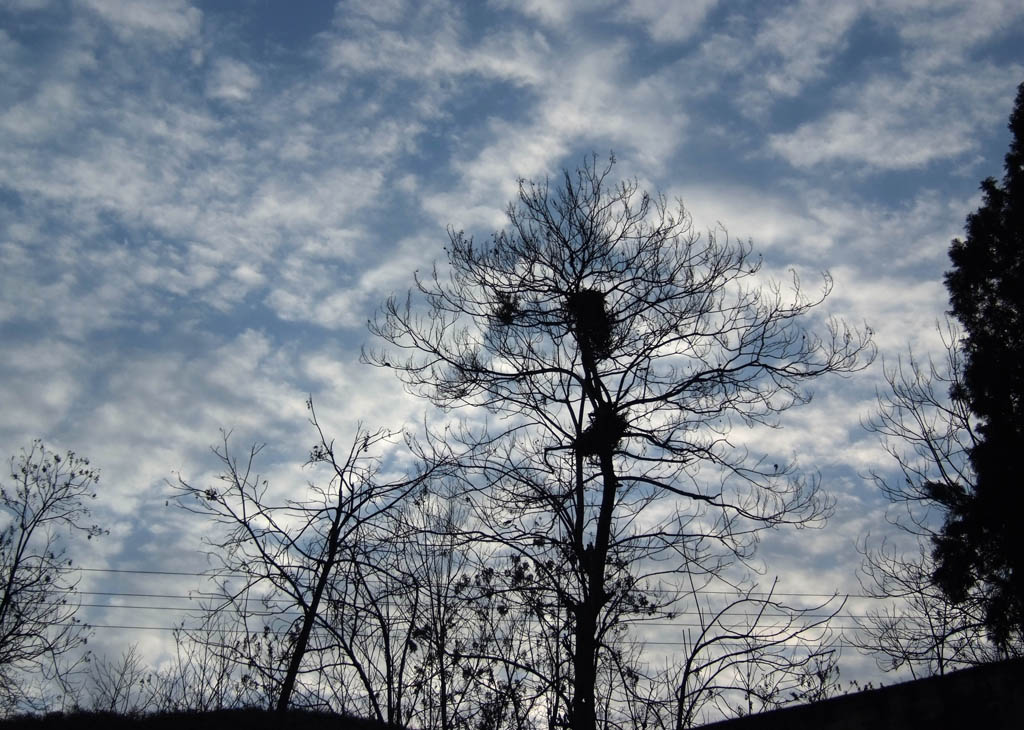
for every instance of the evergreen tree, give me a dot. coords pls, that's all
(981, 545)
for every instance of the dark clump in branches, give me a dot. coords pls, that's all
(507, 309)
(603, 434)
(587, 312)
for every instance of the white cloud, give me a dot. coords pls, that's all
(587, 99)
(379, 11)
(231, 80)
(801, 41)
(943, 32)
(667, 20)
(664, 21)
(927, 108)
(776, 223)
(174, 20)
(762, 59)
(899, 123)
(172, 266)
(39, 383)
(555, 13)
(338, 294)
(432, 48)
(44, 114)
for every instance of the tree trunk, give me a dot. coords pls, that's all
(307, 621)
(594, 558)
(584, 716)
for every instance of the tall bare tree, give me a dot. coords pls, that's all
(617, 350)
(43, 504)
(917, 627)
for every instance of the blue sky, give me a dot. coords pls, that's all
(202, 203)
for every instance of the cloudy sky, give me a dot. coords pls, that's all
(202, 202)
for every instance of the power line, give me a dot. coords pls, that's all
(269, 599)
(640, 623)
(633, 623)
(131, 595)
(737, 593)
(769, 642)
(161, 572)
(664, 625)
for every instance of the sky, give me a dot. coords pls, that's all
(202, 203)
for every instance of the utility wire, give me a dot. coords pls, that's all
(651, 589)
(631, 642)
(632, 622)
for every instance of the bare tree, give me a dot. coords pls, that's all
(374, 613)
(41, 507)
(618, 349)
(477, 644)
(917, 627)
(290, 558)
(126, 686)
(441, 570)
(928, 429)
(753, 653)
(202, 676)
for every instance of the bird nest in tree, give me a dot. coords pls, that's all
(606, 429)
(506, 309)
(586, 308)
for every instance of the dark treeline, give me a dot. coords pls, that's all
(250, 719)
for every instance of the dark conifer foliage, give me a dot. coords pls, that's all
(982, 544)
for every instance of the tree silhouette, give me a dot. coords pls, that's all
(608, 352)
(125, 686)
(929, 430)
(302, 564)
(44, 502)
(981, 543)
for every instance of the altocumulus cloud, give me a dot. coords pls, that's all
(201, 205)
